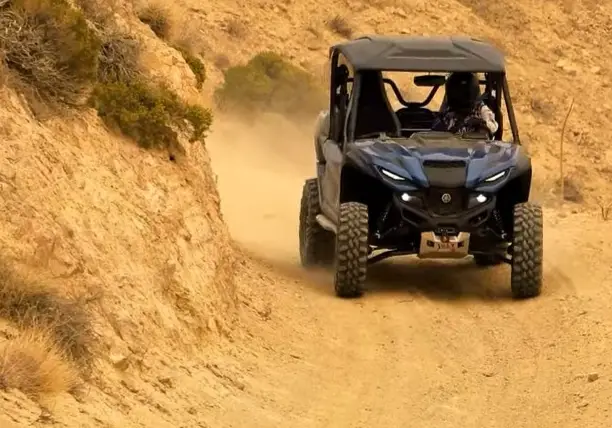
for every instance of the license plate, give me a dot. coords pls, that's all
(448, 247)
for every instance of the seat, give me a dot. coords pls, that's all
(415, 117)
(374, 112)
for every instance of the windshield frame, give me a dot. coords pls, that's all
(496, 82)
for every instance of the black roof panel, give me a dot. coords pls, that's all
(422, 53)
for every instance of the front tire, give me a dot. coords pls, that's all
(316, 243)
(351, 250)
(527, 251)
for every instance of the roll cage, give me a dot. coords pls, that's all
(367, 99)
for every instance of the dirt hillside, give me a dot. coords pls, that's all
(188, 269)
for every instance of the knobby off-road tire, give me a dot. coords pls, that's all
(527, 251)
(351, 250)
(316, 243)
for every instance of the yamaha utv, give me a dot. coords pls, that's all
(387, 185)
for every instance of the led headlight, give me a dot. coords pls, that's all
(496, 176)
(477, 199)
(392, 175)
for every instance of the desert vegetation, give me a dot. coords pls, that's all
(88, 61)
(268, 82)
(56, 343)
(69, 57)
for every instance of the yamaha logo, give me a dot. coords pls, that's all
(446, 198)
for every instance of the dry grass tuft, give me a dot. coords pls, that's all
(158, 18)
(31, 305)
(33, 364)
(340, 26)
(236, 28)
(100, 12)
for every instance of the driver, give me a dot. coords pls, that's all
(464, 111)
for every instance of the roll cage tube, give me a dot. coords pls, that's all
(333, 86)
(351, 124)
(348, 117)
(400, 97)
(510, 110)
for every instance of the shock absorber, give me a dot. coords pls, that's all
(499, 223)
(382, 219)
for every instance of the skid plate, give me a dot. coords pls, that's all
(444, 247)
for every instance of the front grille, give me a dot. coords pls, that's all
(437, 206)
(445, 173)
(444, 164)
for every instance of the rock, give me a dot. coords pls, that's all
(592, 377)
(567, 66)
(120, 362)
(130, 385)
(166, 381)
(212, 325)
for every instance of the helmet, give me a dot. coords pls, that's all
(462, 90)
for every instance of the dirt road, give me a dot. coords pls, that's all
(430, 344)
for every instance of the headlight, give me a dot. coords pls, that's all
(496, 176)
(392, 175)
(477, 199)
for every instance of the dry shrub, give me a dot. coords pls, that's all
(236, 28)
(195, 64)
(340, 26)
(542, 107)
(33, 364)
(158, 18)
(187, 41)
(32, 305)
(100, 12)
(149, 115)
(50, 46)
(188, 35)
(270, 83)
(119, 58)
(572, 191)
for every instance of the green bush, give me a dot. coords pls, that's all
(149, 115)
(195, 64)
(50, 45)
(268, 82)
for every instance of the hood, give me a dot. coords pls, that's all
(467, 161)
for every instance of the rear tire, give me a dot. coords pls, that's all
(316, 243)
(351, 250)
(527, 251)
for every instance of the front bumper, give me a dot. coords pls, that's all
(420, 216)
